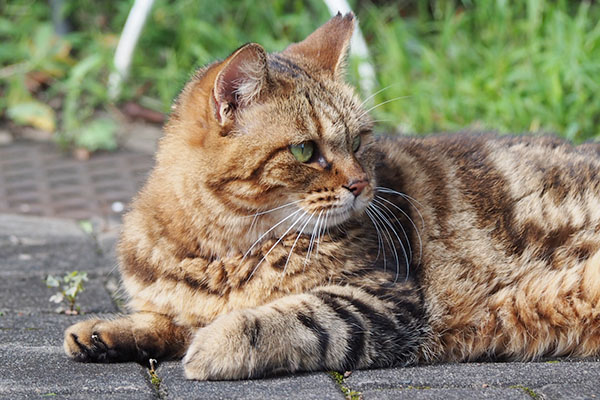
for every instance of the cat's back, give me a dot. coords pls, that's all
(510, 236)
(488, 166)
(526, 195)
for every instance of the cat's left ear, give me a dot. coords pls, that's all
(241, 79)
(326, 48)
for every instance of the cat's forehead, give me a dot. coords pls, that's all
(328, 106)
(317, 114)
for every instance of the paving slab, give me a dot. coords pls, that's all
(478, 375)
(445, 394)
(37, 330)
(51, 245)
(299, 386)
(35, 371)
(581, 391)
(31, 335)
(29, 294)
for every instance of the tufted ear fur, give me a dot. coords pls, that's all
(240, 81)
(326, 47)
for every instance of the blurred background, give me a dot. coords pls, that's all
(509, 66)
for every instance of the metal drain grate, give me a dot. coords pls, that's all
(37, 179)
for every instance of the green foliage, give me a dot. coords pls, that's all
(40, 66)
(443, 65)
(338, 378)
(530, 392)
(508, 66)
(69, 287)
(154, 378)
(187, 34)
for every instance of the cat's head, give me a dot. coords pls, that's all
(283, 132)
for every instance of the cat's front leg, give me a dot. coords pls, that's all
(331, 328)
(135, 337)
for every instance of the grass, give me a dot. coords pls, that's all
(499, 65)
(338, 378)
(512, 67)
(530, 392)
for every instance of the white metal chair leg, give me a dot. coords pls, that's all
(129, 37)
(139, 14)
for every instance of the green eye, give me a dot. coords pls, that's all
(303, 151)
(356, 143)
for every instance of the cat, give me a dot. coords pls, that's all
(277, 234)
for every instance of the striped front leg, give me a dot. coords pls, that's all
(330, 328)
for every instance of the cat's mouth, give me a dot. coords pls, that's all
(338, 208)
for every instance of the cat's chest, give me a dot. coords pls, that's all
(198, 290)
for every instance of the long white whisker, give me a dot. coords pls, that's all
(408, 198)
(264, 257)
(312, 238)
(267, 232)
(321, 231)
(253, 223)
(379, 241)
(377, 92)
(318, 238)
(384, 102)
(387, 236)
(412, 223)
(273, 209)
(294, 245)
(389, 212)
(391, 226)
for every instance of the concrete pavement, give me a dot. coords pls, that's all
(32, 363)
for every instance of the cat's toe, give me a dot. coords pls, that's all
(220, 351)
(82, 343)
(88, 341)
(200, 363)
(195, 368)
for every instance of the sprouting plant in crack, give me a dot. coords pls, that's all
(69, 287)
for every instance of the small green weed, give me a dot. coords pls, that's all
(339, 380)
(70, 286)
(527, 390)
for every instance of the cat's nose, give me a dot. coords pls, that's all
(357, 186)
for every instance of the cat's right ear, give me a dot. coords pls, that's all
(241, 79)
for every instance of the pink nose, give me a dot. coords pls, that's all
(356, 187)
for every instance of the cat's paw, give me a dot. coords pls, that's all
(95, 340)
(226, 349)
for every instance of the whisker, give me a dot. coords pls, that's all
(273, 209)
(387, 236)
(391, 226)
(294, 244)
(408, 198)
(267, 232)
(384, 102)
(253, 223)
(389, 212)
(379, 241)
(412, 223)
(381, 120)
(377, 92)
(321, 231)
(264, 257)
(312, 238)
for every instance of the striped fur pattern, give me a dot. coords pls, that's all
(246, 261)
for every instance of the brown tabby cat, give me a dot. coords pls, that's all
(277, 234)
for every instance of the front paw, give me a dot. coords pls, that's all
(227, 349)
(94, 341)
